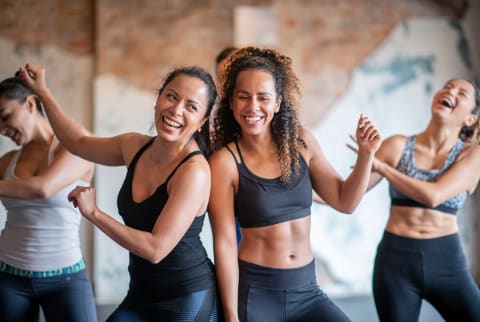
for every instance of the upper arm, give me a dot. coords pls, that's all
(326, 181)
(65, 169)
(463, 175)
(390, 152)
(221, 202)
(111, 151)
(188, 193)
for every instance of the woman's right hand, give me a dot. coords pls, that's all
(34, 77)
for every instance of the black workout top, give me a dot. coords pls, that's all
(186, 268)
(262, 202)
(407, 165)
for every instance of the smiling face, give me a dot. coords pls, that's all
(254, 101)
(180, 108)
(455, 100)
(17, 119)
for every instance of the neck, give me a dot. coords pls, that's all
(43, 134)
(261, 144)
(439, 137)
(164, 152)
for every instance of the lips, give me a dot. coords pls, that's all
(13, 134)
(447, 102)
(170, 122)
(253, 119)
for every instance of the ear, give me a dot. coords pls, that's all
(31, 104)
(205, 119)
(471, 119)
(278, 102)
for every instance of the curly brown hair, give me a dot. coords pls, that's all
(287, 131)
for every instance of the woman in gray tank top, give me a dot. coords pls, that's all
(41, 263)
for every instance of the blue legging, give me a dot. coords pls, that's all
(67, 297)
(280, 295)
(196, 307)
(408, 270)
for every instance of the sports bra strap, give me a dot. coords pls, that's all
(191, 154)
(233, 154)
(238, 150)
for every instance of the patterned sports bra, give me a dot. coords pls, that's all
(407, 165)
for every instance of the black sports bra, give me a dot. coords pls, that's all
(262, 202)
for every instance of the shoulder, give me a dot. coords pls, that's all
(470, 151)
(130, 143)
(391, 149)
(194, 172)
(396, 141)
(222, 162)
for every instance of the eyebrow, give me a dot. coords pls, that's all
(246, 92)
(189, 100)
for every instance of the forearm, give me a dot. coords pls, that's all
(226, 266)
(356, 184)
(30, 188)
(135, 241)
(418, 190)
(66, 129)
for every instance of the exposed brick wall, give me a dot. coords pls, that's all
(66, 24)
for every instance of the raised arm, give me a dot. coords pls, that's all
(344, 195)
(71, 134)
(222, 219)
(188, 197)
(64, 170)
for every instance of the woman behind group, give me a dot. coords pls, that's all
(162, 200)
(263, 171)
(430, 174)
(41, 263)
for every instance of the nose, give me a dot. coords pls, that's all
(253, 104)
(178, 107)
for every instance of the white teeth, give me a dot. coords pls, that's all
(446, 102)
(172, 123)
(253, 119)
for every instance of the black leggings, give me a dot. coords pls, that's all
(408, 270)
(272, 294)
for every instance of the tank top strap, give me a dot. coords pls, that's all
(51, 149)
(457, 148)
(233, 154)
(191, 154)
(9, 171)
(238, 150)
(139, 153)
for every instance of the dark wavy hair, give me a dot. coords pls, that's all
(471, 133)
(14, 88)
(287, 131)
(202, 137)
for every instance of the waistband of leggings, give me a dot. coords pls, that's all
(428, 244)
(276, 278)
(74, 268)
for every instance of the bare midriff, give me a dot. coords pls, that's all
(420, 223)
(283, 245)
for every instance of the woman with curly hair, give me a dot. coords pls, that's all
(263, 171)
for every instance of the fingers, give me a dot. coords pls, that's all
(351, 147)
(366, 129)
